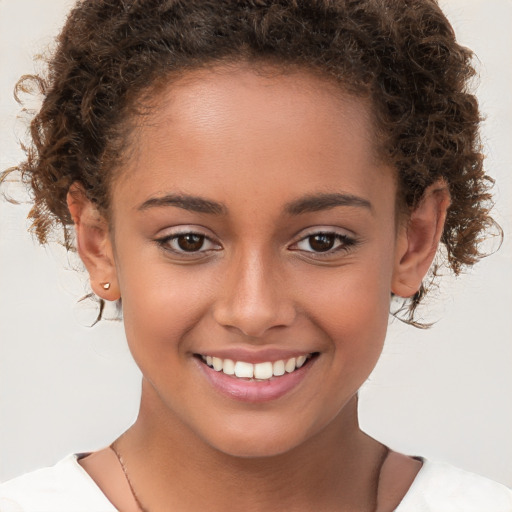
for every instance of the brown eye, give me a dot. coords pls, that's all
(322, 242)
(190, 242)
(325, 244)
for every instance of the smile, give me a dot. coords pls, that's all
(259, 371)
(266, 378)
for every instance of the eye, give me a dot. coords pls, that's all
(187, 242)
(190, 242)
(325, 242)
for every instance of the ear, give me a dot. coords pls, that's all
(418, 240)
(93, 243)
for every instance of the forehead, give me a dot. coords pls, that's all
(258, 97)
(243, 124)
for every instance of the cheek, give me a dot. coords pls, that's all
(158, 315)
(356, 295)
(352, 307)
(161, 302)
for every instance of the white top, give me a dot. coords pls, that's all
(67, 487)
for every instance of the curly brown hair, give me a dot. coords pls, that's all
(401, 54)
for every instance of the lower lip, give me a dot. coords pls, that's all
(255, 391)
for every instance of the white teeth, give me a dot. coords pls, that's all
(244, 369)
(290, 365)
(300, 361)
(229, 367)
(278, 368)
(263, 371)
(259, 371)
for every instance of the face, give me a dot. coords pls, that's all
(252, 230)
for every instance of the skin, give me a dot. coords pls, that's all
(255, 144)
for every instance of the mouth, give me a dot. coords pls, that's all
(263, 371)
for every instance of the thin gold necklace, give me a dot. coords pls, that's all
(114, 448)
(123, 466)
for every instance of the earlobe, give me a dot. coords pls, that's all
(418, 240)
(93, 243)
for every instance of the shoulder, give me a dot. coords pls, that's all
(440, 487)
(65, 487)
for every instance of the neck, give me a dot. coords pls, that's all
(172, 468)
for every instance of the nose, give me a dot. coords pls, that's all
(254, 297)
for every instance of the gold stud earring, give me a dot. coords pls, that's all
(105, 286)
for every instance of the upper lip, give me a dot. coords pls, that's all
(259, 355)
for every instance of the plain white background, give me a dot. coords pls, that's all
(445, 393)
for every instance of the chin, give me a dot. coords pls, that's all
(256, 441)
(255, 448)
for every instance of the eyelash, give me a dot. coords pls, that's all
(166, 242)
(345, 243)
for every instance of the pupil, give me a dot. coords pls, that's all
(321, 243)
(190, 242)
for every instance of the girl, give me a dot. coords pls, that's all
(252, 182)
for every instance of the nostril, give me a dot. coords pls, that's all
(253, 319)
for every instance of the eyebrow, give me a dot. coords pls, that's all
(318, 202)
(308, 204)
(187, 202)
